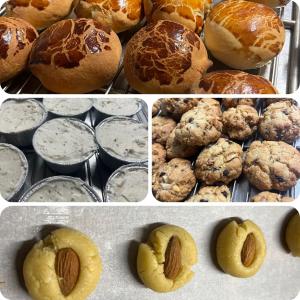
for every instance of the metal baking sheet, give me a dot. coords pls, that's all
(117, 231)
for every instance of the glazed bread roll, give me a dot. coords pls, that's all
(165, 57)
(40, 13)
(234, 82)
(118, 15)
(189, 13)
(273, 3)
(242, 34)
(16, 39)
(76, 56)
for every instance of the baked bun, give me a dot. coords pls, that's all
(242, 34)
(273, 3)
(118, 15)
(40, 13)
(16, 39)
(189, 13)
(76, 56)
(165, 57)
(234, 82)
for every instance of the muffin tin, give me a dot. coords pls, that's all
(283, 71)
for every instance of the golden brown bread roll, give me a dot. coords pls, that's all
(165, 57)
(273, 3)
(40, 13)
(189, 13)
(234, 82)
(76, 56)
(16, 39)
(118, 15)
(242, 34)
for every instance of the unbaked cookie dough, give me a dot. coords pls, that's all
(47, 267)
(241, 249)
(164, 262)
(292, 235)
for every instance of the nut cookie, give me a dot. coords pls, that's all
(270, 197)
(229, 102)
(174, 180)
(161, 129)
(201, 125)
(219, 162)
(240, 122)
(158, 156)
(280, 122)
(272, 165)
(212, 194)
(177, 149)
(270, 101)
(156, 107)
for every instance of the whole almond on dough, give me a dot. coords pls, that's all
(249, 250)
(172, 264)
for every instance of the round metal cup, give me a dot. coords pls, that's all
(94, 196)
(66, 168)
(21, 185)
(24, 138)
(110, 160)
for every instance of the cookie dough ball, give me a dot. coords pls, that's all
(280, 122)
(234, 82)
(212, 194)
(169, 63)
(272, 165)
(188, 13)
(292, 235)
(273, 3)
(240, 122)
(230, 102)
(158, 156)
(16, 40)
(219, 162)
(270, 197)
(117, 15)
(76, 56)
(164, 263)
(173, 181)
(65, 265)
(201, 125)
(241, 249)
(176, 149)
(156, 107)
(161, 129)
(242, 34)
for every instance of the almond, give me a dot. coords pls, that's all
(172, 264)
(249, 250)
(67, 268)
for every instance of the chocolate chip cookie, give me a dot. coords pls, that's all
(229, 102)
(270, 197)
(280, 122)
(201, 125)
(272, 165)
(270, 101)
(219, 162)
(240, 122)
(155, 108)
(174, 180)
(158, 156)
(212, 194)
(161, 129)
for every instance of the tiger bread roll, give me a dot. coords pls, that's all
(292, 235)
(76, 56)
(164, 262)
(118, 15)
(241, 249)
(65, 265)
(190, 13)
(40, 13)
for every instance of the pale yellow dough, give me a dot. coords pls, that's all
(293, 235)
(229, 246)
(39, 266)
(151, 258)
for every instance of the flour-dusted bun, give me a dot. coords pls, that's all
(242, 34)
(40, 13)
(189, 13)
(76, 56)
(116, 14)
(234, 82)
(273, 3)
(16, 39)
(165, 57)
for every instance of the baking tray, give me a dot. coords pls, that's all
(117, 231)
(241, 189)
(94, 172)
(283, 71)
